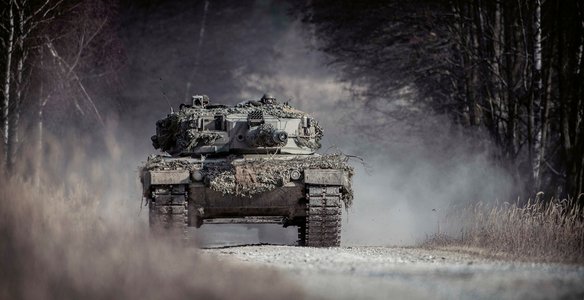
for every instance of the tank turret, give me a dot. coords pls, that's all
(264, 126)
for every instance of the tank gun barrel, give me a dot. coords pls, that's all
(266, 135)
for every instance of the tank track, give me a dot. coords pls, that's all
(322, 226)
(168, 212)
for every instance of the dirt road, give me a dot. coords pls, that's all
(411, 273)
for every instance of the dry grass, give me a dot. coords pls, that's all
(543, 231)
(79, 235)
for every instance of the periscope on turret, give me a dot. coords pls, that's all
(254, 162)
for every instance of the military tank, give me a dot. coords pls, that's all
(251, 163)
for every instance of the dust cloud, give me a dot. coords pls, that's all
(80, 234)
(410, 183)
(406, 198)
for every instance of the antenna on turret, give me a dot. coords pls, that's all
(168, 102)
(165, 98)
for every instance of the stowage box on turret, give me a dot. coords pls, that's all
(254, 162)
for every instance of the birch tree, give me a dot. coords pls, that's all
(24, 19)
(8, 49)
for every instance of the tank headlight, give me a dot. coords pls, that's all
(197, 175)
(295, 175)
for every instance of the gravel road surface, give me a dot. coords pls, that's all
(411, 273)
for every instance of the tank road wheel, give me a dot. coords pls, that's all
(168, 212)
(323, 217)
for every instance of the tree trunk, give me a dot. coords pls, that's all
(7, 84)
(509, 82)
(39, 155)
(579, 96)
(496, 72)
(547, 100)
(538, 143)
(14, 110)
(475, 112)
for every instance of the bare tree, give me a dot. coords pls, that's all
(54, 50)
(63, 58)
(8, 47)
(510, 69)
(24, 19)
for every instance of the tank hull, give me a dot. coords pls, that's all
(307, 191)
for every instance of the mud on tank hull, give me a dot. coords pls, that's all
(307, 191)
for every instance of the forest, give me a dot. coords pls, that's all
(506, 74)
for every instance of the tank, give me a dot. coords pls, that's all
(251, 163)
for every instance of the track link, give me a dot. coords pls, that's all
(168, 212)
(323, 217)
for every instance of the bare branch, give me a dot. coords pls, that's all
(60, 62)
(44, 10)
(84, 43)
(3, 27)
(18, 7)
(76, 79)
(98, 30)
(41, 8)
(51, 9)
(36, 24)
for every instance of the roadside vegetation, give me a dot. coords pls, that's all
(542, 231)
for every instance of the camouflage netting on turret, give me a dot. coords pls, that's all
(172, 134)
(277, 110)
(197, 138)
(253, 176)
